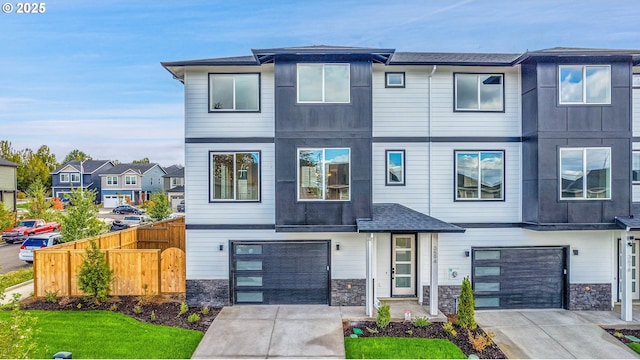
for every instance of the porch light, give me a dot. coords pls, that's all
(338, 247)
(221, 247)
(467, 253)
(576, 252)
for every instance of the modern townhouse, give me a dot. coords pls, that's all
(76, 174)
(342, 176)
(133, 183)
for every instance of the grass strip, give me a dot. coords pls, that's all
(15, 277)
(401, 348)
(108, 335)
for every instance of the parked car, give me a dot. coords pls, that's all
(128, 209)
(25, 228)
(35, 242)
(135, 219)
(180, 206)
(118, 225)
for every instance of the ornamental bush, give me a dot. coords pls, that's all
(384, 315)
(94, 278)
(466, 304)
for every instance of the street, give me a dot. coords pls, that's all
(9, 258)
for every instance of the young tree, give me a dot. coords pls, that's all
(7, 218)
(466, 313)
(81, 218)
(159, 207)
(39, 207)
(94, 278)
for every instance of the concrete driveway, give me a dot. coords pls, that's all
(554, 334)
(265, 331)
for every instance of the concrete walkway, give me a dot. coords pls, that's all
(555, 334)
(25, 290)
(294, 331)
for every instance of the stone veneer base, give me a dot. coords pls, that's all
(590, 297)
(348, 292)
(214, 293)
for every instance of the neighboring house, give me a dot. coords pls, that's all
(381, 174)
(8, 184)
(67, 176)
(130, 183)
(174, 184)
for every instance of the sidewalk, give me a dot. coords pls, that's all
(25, 290)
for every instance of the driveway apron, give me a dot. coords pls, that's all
(553, 334)
(264, 331)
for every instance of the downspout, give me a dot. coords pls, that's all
(433, 71)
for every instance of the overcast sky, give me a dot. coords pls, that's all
(87, 74)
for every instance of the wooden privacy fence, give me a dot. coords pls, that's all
(146, 260)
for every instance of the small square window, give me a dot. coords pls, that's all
(394, 80)
(636, 80)
(75, 177)
(64, 177)
(395, 168)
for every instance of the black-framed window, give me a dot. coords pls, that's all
(395, 167)
(234, 176)
(234, 92)
(479, 175)
(478, 92)
(585, 173)
(394, 79)
(324, 83)
(584, 84)
(635, 166)
(324, 174)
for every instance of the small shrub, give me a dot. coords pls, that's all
(205, 310)
(137, 309)
(384, 315)
(51, 296)
(79, 306)
(94, 278)
(113, 307)
(193, 318)
(618, 334)
(409, 332)
(153, 315)
(21, 195)
(18, 333)
(480, 341)
(448, 327)
(64, 301)
(183, 308)
(466, 315)
(372, 330)
(421, 322)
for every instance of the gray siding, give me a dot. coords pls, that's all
(322, 125)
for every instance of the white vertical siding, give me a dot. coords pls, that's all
(201, 211)
(206, 261)
(382, 271)
(201, 123)
(635, 106)
(443, 205)
(415, 193)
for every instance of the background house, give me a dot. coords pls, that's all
(68, 176)
(174, 184)
(8, 184)
(130, 182)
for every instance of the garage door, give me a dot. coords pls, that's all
(519, 278)
(280, 272)
(111, 201)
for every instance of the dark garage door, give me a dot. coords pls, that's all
(519, 278)
(280, 272)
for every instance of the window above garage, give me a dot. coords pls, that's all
(235, 176)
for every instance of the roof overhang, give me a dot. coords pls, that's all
(628, 223)
(398, 218)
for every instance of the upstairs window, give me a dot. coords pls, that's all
(479, 175)
(585, 173)
(394, 79)
(585, 84)
(130, 180)
(235, 176)
(324, 83)
(64, 178)
(234, 92)
(395, 167)
(635, 81)
(112, 180)
(479, 92)
(324, 174)
(75, 177)
(635, 167)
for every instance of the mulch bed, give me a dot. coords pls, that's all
(166, 310)
(634, 332)
(432, 331)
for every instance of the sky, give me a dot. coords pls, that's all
(86, 74)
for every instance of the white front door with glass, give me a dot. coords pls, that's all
(403, 265)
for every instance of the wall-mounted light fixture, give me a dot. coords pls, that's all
(338, 247)
(221, 247)
(467, 253)
(576, 252)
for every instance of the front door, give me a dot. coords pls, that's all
(403, 271)
(635, 270)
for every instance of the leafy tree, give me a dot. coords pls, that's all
(36, 166)
(141, 161)
(9, 153)
(94, 278)
(159, 207)
(39, 206)
(81, 218)
(7, 218)
(466, 313)
(17, 333)
(76, 155)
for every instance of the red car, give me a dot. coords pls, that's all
(28, 227)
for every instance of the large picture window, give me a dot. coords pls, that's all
(395, 167)
(324, 83)
(479, 92)
(582, 84)
(323, 174)
(479, 175)
(235, 176)
(234, 92)
(585, 173)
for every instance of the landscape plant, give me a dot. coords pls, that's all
(7, 218)
(193, 318)
(81, 219)
(17, 331)
(421, 322)
(158, 207)
(480, 341)
(384, 315)
(183, 308)
(38, 205)
(466, 315)
(94, 277)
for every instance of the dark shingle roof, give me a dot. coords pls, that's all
(88, 166)
(427, 58)
(6, 162)
(122, 168)
(396, 217)
(174, 171)
(177, 189)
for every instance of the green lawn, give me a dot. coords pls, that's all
(15, 277)
(635, 347)
(401, 348)
(105, 334)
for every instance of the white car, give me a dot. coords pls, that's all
(35, 242)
